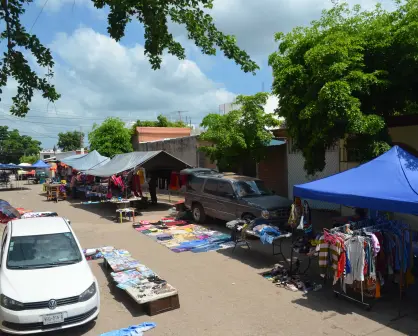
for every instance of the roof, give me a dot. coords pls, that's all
(146, 134)
(87, 161)
(387, 183)
(38, 226)
(240, 178)
(153, 160)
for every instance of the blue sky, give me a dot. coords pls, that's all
(98, 77)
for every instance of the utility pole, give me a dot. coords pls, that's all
(81, 139)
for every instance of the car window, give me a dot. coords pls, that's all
(225, 189)
(251, 188)
(195, 183)
(43, 251)
(211, 187)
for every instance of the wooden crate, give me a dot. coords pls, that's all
(162, 305)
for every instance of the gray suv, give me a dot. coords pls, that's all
(230, 196)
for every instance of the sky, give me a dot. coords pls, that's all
(99, 77)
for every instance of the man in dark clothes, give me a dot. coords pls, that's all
(152, 184)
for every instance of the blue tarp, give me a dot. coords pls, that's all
(40, 164)
(387, 183)
(83, 162)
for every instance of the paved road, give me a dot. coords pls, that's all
(220, 293)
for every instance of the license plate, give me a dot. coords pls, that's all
(53, 318)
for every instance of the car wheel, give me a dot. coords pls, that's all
(248, 217)
(198, 213)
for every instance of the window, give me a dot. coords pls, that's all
(43, 251)
(251, 188)
(225, 189)
(195, 183)
(211, 187)
(47, 156)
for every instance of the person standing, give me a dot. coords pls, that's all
(152, 186)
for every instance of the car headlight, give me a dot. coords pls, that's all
(88, 293)
(11, 304)
(265, 214)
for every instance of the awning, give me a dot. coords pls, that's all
(40, 164)
(387, 183)
(83, 162)
(154, 160)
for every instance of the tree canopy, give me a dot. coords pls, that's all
(153, 15)
(29, 159)
(110, 138)
(239, 135)
(13, 145)
(161, 121)
(69, 141)
(343, 75)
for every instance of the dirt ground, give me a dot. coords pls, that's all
(221, 293)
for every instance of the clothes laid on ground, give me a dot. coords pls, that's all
(134, 330)
(179, 236)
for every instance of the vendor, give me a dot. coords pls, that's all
(72, 185)
(152, 186)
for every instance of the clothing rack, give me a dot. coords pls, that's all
(370, 226)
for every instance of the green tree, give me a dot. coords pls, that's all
(69, 141)
(29, 159)
(13, 145)
(111, 137)
(239, 135)
(161, 121)
(153, 15)
(343, 75)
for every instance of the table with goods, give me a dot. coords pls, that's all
(141, 283)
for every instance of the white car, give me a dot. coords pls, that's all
(46, 283)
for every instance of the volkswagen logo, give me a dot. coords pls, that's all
(52, 304)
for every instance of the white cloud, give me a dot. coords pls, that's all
(254, 23)
(99, 77)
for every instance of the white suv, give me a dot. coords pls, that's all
(46, 283)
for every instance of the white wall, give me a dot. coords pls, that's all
(297, 175)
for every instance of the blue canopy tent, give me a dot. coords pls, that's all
(40, 165)
(387, 183)
(83, 162)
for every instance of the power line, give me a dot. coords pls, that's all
(39, 14)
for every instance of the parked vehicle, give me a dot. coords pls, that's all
(230, 196)
(46, 283)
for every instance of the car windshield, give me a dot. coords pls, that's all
(251, 188)
(42, 251)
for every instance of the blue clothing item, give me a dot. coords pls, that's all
(135, 330)
(268, 233)
(347, 263)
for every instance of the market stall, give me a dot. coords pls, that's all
(379, 249)
(127, 174)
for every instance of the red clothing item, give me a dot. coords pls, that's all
(136, 185)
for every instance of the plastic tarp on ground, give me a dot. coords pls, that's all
(387, 183)
(83, 162)
(153, 160)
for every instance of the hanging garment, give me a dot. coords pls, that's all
(136, 185)
(356, 254)
(141, 174)
(174, 181)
